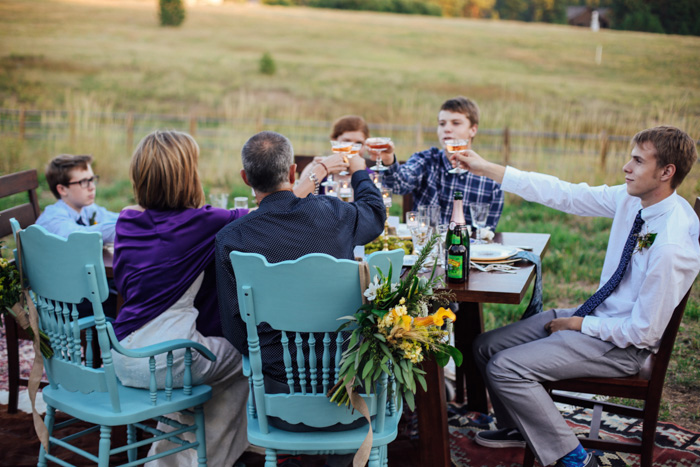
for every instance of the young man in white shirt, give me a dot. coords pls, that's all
(73, 183)
(614, 331)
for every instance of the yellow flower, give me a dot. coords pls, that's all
(402, 301)
(443, 313)
(405, 322)
(427, 321)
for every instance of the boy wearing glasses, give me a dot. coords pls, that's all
(74, 185)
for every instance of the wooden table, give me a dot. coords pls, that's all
(482, 287)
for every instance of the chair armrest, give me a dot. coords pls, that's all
(89, 322)
(156, 349)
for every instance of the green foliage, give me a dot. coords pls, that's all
(172, 12)
(411, 7)
(267, 64)
(676, 17)
(642, 20)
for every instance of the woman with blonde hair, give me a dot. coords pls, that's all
(164, 270)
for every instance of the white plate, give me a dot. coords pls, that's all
(491, 252)
(409, 260)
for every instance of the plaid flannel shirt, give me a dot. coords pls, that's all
(426, 176)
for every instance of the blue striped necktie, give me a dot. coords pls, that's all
(607, 288)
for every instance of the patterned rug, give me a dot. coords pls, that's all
(675, 446)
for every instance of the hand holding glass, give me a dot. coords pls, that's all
(339, 147)
(453, 146)
(379, 145)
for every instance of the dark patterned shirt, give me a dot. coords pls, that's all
(286, 227)
(425, 175)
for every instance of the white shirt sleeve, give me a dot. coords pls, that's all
(580, 199)
(670, 274)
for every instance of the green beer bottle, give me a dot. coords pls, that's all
(458, 256)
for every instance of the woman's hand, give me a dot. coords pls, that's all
(334, 164)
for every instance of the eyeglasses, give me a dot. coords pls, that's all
(84, 183)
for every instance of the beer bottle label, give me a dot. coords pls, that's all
(455, 268)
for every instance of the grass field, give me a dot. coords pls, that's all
(89, 56)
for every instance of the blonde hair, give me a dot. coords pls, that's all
(164, 173)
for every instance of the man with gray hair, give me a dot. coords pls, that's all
(286, 227)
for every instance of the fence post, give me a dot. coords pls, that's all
(506, 145)
(71, 126)
(129, 131)
(22, 118)
(604, 143)
(419, 136)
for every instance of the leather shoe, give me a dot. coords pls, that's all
(503, 438)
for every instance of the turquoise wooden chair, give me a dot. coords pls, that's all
(382, 260)
(300, 298)
(61, 273)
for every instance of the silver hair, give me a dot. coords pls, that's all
(267, 157)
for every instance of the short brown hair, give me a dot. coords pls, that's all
(673, 146)
(164, 172)
(464, 106)
(349, 123)
(58, 171)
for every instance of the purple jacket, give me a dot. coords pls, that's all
(158, 255)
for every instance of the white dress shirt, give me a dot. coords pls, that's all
(638, 310)
(61, 219)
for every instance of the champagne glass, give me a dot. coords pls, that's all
(379, 144)
(338, 147)
(454, 146)
(480, 214)
(354, 151)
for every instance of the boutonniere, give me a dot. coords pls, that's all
(645, 241)
(92, 218)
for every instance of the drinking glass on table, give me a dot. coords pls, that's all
(339, 147)
(240, 202)
(379, 145)
(331, 189)
(420, 235)
(434, 215)
(442, 231)
(454, 146)
(411, 219)
(480, 214)
(219, 200)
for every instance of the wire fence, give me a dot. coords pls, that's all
(220, 138)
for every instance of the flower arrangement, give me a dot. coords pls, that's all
(10, 301)
(395, 332)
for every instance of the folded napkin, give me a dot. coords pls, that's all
(535, 305)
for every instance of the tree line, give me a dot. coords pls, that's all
(658, 16)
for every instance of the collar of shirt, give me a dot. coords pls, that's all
(278, 200)
(659, 209)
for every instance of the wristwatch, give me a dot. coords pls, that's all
(314, 179)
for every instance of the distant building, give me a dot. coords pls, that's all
(582, 16)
